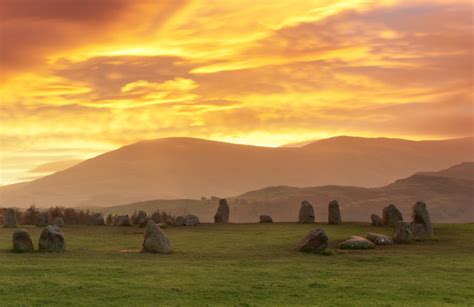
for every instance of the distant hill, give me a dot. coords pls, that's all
(186, 168)
(449, 199)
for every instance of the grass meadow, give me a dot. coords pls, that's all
(239, 264)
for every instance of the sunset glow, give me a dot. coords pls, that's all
(79, 78)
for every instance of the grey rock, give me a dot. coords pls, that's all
(9, 219)
(379, 239)
(123, 220)
(42, 220)
(403, 233)
(391, 215)
(376, 220)
(306, 215)
(190, 220)
(334, 213)
(356, 242)
(421, 223)
(58, 221)
(52, 239)
(266, 219)
(316, 241)
(179, 221)
(223, 212)
(156, 241)
(22, 242)
(97, 219)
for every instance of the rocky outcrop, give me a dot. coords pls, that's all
(156, 241)
(421, 223)
(334, 213)
(22, 242)
(391, 215)
(306, 215)
(52, 239)
(316, 241)
(223, 212)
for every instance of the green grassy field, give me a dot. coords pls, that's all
(239, 264)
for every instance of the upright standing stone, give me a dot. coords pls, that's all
(315, 241)
(97, 219)
(402, 233)
(52, 239)
(123, 220)
(334, 213)
(190, 220)
(266, 219)
(141, 219)
(22, 242)
(156, 241)
(376, 220)
(421, 224)
(306, 215)
(222, 214)
(179, 221)
(42, 219)
(10, 218)
(58, 221)
(391, 215)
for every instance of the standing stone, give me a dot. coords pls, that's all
(391, 215)
(403, 233)
(22, 242)
(97, 219)
(58, 222)
(123, 220)
(356, 242)
(421, 224)
(190, 220)
(52, 239)
(378, 239)
(376, 220)
(141, 219)
(334, 213)
(266, 219)
(156, 241)
(42, 219)
(315, 241)
(306, 215)
(179, 221)
(222, 214)
(9, 219)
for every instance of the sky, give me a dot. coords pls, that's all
(79, 78)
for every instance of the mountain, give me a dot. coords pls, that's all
(449, 199)
(175, 168)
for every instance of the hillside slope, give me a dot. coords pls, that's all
(175, 168)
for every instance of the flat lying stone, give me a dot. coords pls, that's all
(356, 242)
(379, 239)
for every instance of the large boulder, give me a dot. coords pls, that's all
(378, 239)
(42, 220)
(334, 213)
(376, 220)
(22, 242)
(123, 220)
(97, 219)
(421, 224)
(58, 222)
(356, 242)
(391, 215)
(316, 241)
(9, 218)
(190, 220)
(222, 214)
(403, 233)
(306, 215)
(266, 219)
(141, 219)
(52, 239)
(156, 241)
